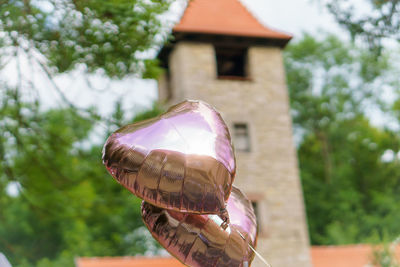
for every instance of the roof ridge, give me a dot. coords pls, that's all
(226, 17)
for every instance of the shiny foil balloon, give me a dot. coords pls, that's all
(199, 240)
(182, 160)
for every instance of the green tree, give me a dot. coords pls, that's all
(107, 35)
(350, 191)
(372, 21)
(59, 36)
(68, 205)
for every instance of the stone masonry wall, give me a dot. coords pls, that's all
(268, 173)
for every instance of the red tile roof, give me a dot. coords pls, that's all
(322, 256)
(128, 262)
(227, 17)
(344, 256)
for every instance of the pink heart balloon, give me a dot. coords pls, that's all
(182, 160)
(199, 240)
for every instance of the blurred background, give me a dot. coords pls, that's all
(74, 71)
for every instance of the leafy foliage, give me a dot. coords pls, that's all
(67, 205)
(373, 21)
(351, 192)
(107, 35)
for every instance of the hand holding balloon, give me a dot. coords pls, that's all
(198, 240)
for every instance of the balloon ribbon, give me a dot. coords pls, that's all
(255, 252)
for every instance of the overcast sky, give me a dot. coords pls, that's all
(293, 16)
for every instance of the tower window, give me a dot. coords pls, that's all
(241, 137)
(231, 62)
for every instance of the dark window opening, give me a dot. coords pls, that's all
(231, 62)
(241, 137)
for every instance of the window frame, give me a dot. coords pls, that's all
(246, 135)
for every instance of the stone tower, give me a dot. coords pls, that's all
(221, 54)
